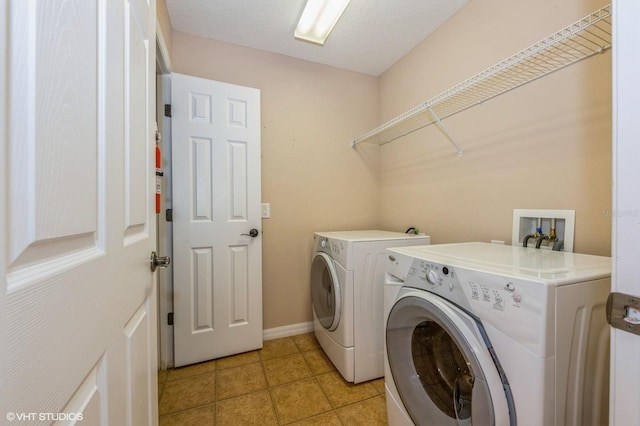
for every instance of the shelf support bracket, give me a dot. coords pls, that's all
(445, 131)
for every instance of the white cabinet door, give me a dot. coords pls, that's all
(78, 223)
(216, 203)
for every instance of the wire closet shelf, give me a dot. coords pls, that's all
(582, 39)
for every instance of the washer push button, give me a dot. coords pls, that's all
(498, 301)
(475, 294)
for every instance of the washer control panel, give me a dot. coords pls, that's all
(471, 289)
(437, 278)
(517, 306)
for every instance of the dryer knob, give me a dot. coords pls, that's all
(432, 277)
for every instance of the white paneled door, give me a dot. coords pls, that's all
(625, 346)
(78, 223)
(217, 241)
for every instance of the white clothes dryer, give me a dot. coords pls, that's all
(479, 333)
(347, 281)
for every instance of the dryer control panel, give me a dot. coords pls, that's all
(335, 248)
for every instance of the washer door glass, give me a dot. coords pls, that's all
(325, 291)
(437, 375)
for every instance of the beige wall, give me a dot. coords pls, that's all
(546, 145)
(165, 23)
(311, 176)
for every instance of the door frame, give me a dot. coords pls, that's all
(3, 240)
(165, 230)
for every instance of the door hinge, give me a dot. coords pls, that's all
(170, 318)
(167, 110)
(168, 215)
(623, 312)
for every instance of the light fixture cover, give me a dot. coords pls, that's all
(318, 19)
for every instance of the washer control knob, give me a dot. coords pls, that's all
(323, 243)
(432, 277)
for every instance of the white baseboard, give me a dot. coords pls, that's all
(269, 334)
(287, 330)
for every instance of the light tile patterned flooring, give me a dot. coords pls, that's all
(289, 381)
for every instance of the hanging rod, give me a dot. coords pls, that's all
(580, 40)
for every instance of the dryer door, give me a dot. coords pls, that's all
(441, 366)
(325, 291)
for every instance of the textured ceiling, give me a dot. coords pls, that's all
(369, 38)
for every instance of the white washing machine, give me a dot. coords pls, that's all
(347, 281)
(496, 335)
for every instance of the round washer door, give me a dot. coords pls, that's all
(325, 291)
(441, 366)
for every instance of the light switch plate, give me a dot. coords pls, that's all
(265, 210)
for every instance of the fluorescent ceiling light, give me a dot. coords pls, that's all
(318, 19)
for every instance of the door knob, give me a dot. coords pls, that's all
(158, 261)
(253, 233)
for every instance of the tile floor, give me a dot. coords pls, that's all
(289, 381)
